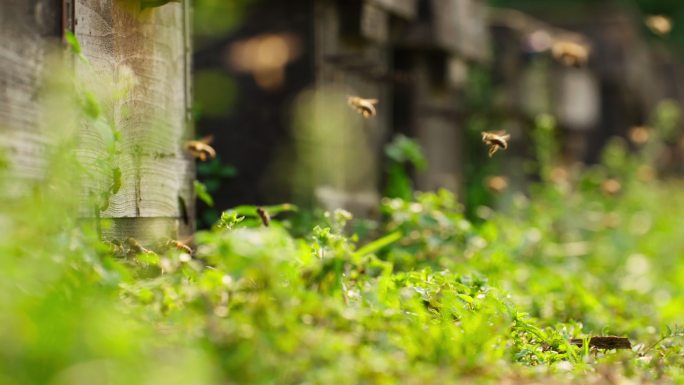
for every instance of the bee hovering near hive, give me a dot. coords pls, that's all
(659, 24)
(495, 141)
(365, 107)
(200, 149)
(180, 246)
(570, 53)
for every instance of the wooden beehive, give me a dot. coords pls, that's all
(117, 38)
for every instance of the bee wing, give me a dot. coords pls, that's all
(506, 137)
(369, 110)
(207, 139)
(372, 101)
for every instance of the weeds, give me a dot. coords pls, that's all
(431, 298)
(435, 299)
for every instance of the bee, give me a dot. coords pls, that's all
(263, 214)
(201, 149)
(495, 140)
(611, 186)
(178, 245)
(639, 135)
(570, 53)
(659, 24)
(497, 183)
(365, 107)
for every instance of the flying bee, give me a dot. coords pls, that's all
(611, 186)
(570, 53)
(365, 107)
(497, 183)
(495, 140)
(180, 246)
(659, 24)
(201, 149)
(639, 135)
(263, 215)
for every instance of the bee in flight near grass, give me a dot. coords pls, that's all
(200, 149)
(264, 216)
(495, 140)
(365, 107)
(180, 246)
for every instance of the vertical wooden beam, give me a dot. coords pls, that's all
(26, 28)
(124, 42)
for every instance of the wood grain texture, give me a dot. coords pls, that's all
(25, 30)
(150, 46)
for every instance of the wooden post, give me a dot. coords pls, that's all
(26, 27)
(124, 42)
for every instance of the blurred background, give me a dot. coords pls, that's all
(271, 81)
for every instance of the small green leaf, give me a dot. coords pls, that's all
(466, 298)
(203, 194)
(73, 42)
(116, 180)
(91, 106)
(378, 244)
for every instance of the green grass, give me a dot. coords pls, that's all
(431, 297)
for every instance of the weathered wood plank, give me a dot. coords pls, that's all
(25, 27)
(121, 42)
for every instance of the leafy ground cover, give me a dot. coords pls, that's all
(426, 296)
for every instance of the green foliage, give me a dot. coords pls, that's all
(215, 18)
(202, 193)
(431, 297)
(403, 155)
(74, 44)
(436, 298)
